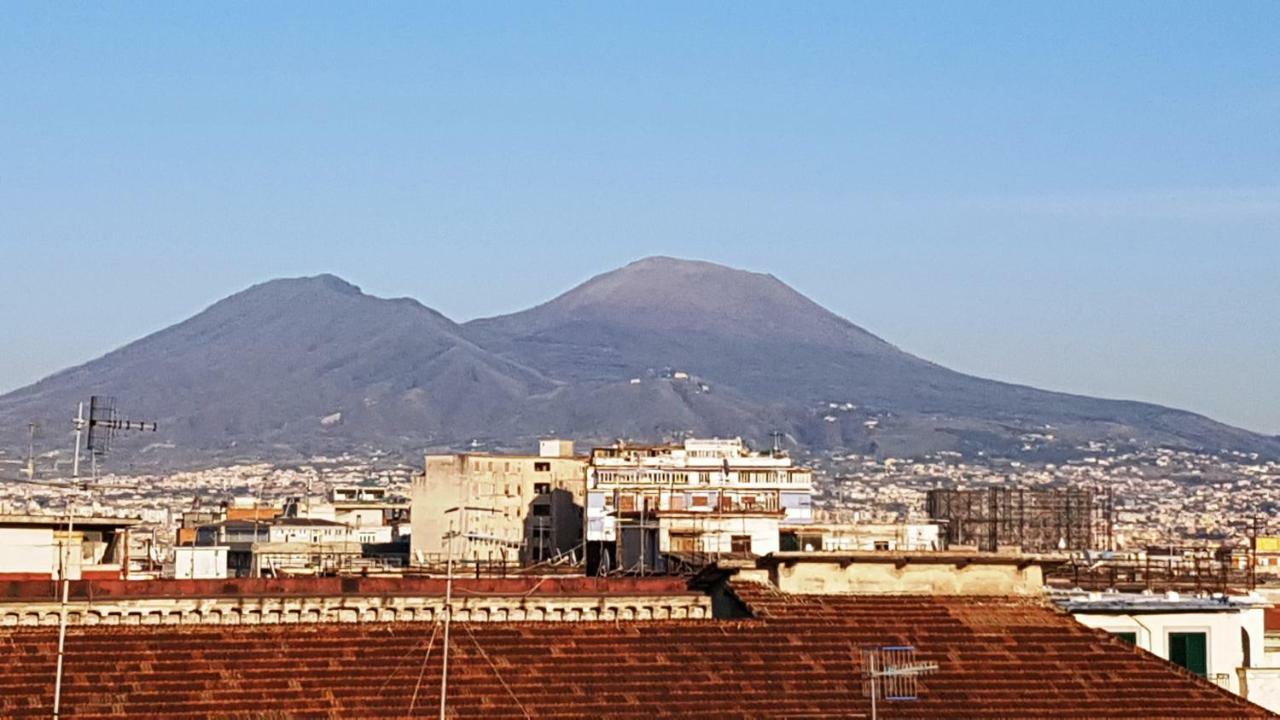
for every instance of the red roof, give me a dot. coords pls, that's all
(999, 658)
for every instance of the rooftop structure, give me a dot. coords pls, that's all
(39, 547)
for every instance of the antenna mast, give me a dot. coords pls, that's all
(101, 425)
(892, 673)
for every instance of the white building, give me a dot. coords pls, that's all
(1217, 637)
(307, 530)
(706, 496)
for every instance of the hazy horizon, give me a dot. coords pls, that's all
(1079, 200)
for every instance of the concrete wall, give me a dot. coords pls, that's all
(936, 577)
(1224, 645)
(1261, 686)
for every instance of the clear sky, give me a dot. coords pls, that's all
(1084, 197)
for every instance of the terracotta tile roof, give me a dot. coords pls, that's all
(46, 590)
(1000, 658)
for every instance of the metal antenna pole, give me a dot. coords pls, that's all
(462, 511)
(79, 423)
(448, 615)
(875, 676)
(62, 611)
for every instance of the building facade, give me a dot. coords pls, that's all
(516, 509)
(1221, 639)
(703, 497)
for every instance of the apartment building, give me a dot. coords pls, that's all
(705, 496)
(508, 509)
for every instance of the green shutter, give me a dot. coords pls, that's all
(1190, 651)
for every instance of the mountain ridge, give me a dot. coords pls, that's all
(298, 366)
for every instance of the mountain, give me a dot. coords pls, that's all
(830, 382)
(291, 367)
(658, 348)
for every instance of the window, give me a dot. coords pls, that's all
(1188, 649)
(740, 543)
(700, 501)
(882, 545)
(1130, 637)
(684, 542)
(542, 467)
(542, 511)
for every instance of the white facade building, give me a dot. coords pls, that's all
(704, 496)
(1219, 637)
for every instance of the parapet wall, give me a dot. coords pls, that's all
(274, 610)
(899, 573)
(323, 600)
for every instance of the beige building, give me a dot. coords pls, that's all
(516, 509)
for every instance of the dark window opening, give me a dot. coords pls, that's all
(1129, 637)
(1189, 650)
(542, 467)
(882, 545)
(542, 511)
(541, 488)
(740, 543)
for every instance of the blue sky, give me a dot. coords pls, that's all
(1080, 196)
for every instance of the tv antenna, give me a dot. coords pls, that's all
(892, 673)
(101, 425)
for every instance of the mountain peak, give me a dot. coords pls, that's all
(661, 293)
(333, 282)
(323, 281)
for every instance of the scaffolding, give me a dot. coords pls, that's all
(1189, 569)
(1034, 520)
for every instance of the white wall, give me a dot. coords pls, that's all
(1222, 630)
(28, 550)
(199, 562)
(716, 532)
